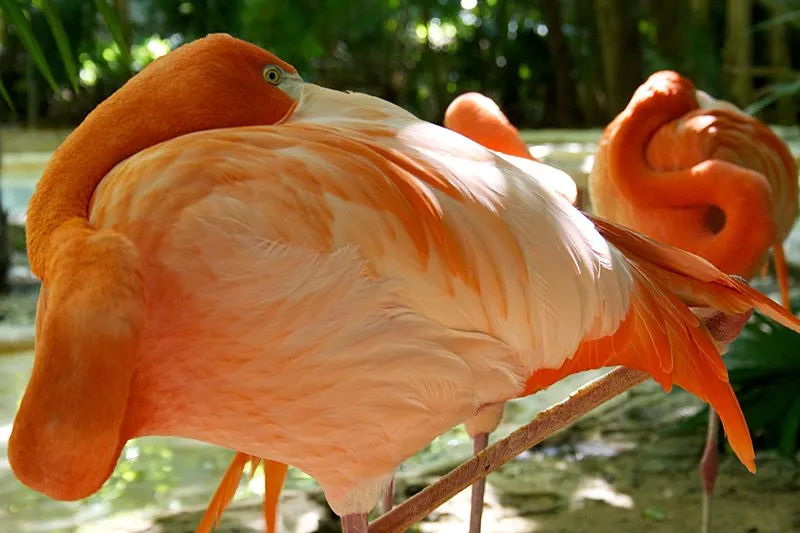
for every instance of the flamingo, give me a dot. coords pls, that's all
(699, 174)
(479, 118)
(232, 255)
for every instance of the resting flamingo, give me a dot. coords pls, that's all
(699, 174)
(232, 255)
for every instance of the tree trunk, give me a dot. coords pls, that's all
(738, 51)
(32, 91)
(670, 24)
(702, 58)
(590, 82)
(701, 11)
(620, 50)
(123, 10)
(567, 111)
(780, 58)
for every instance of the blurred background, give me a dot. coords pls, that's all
(560, 70)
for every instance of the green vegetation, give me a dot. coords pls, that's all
(552, 63)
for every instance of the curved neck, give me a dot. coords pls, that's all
(134, 118)
(627, 143)
(739, 193)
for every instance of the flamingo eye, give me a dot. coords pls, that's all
(273, 74)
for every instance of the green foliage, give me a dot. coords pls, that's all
(779, 90)
(60, 36)
(764, 369)
(113, 24)
(7, 97)
(417, 53)
(13, 10)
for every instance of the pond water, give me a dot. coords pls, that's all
(157, 475)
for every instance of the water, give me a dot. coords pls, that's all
(20, 172)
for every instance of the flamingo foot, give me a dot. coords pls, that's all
(387, 503)
(354, 523)
(708, 468)
(478, 489)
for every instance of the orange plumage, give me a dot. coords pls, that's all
(698, 174)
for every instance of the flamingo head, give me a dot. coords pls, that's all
(214, 82)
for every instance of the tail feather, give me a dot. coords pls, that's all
(695, 280)
(274, 477)
(661, 336)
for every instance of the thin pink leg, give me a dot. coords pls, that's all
(478, 489)
(354, 523)
(387, 503)
(708, 467)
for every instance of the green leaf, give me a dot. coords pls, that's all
(7, 97)
(779, 91)
(763, 350)
(62, 42)
(765, 405)
(114, 26)
(789, 430)
(783, 18)
(25, 33)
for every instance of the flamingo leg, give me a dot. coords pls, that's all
(274, 477)
(388, 498)
(478, 489)
(708, 467)
(765, 269)
(355, 523)
(479, 427)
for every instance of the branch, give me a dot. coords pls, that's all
(549, 421)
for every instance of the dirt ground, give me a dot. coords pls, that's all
(614, 471)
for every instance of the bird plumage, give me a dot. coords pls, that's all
(449, 252)
(697, 173)
(700, 174)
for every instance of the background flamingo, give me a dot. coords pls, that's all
(700, 174)
(479, 118)
(331, 289)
